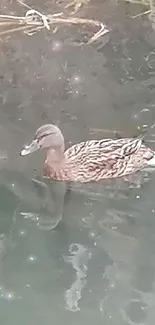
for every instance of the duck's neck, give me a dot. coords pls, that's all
(55, 155)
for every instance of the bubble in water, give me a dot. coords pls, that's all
(112, 285)
(3, 155)
(22, 233)
(135, 116)
(9, 296)
(76, 79)
(92, 234)
(144, 110)
(27, 285)
(75, 93)
(31, 258)
(56, 45)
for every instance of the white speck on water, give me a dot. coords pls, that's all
(27, 215)
(76, 79)
(31, 258)
(76, 92)
(112, 285)
(73, 118)
(92, 234)
(145, 110)
(28, 286)
(9, 296)
(56, 45)
(135, 116)
(22, 233)
(114, 227)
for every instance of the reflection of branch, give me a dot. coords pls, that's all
(141, 2)
(149, 3)
(36, 20)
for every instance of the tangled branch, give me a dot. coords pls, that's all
(35, 20)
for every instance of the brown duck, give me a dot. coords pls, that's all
(90, 160)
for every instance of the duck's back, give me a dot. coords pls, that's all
(104, 149)
(100, 159)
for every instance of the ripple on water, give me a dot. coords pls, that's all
(136, 311)
(79, 259)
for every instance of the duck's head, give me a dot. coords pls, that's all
(47, 136)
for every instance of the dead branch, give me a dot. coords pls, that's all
(37, 21)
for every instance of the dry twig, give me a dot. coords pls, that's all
(35, 20)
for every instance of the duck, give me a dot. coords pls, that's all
(89, 161)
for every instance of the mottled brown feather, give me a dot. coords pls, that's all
(95, 160)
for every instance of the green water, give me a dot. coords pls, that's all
(97, 265)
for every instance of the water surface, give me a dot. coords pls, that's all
(97, 265)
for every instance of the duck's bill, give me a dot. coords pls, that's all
(34, 146)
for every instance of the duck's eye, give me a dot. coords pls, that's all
(39, 138)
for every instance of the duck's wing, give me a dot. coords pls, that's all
(104, 150)
(130, 146)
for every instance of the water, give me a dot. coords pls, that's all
(98, 264)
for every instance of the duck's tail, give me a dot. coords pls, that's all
(151, 162)
(141, 136)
